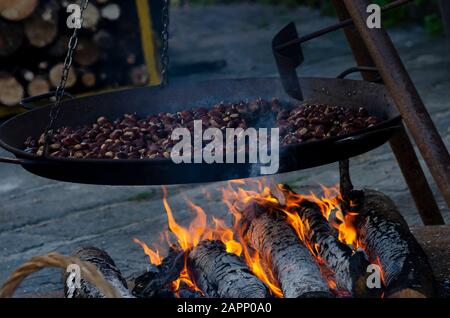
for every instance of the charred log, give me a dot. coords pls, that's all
(186, 291)
(221, 274)
(106, 266)
(276, 241)
(350, 268)
(386, 238)
(156, 283)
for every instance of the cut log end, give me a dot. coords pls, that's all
(40, 32)
(87, 53)
(17, 10)
(38, 86)
(11, 91)
(55, 76)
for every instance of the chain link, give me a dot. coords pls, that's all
(165, 41)
(59, 93)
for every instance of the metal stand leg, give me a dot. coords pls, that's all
(400, 144)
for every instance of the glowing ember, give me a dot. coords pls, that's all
(235, 196)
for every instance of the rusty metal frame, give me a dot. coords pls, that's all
(373, 47)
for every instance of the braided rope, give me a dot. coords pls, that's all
(88, 271)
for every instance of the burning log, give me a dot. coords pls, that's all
(157, 282)
(221, 274)
(386, 238)
(276, 241)
(350, 268)
(106, 266)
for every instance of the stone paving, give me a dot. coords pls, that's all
(39, 216)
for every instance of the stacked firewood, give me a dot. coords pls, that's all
(34, 37)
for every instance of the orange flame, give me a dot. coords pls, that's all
(236, 195)
(154, 256)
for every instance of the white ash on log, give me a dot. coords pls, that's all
(386, 238)
(221, 274)
(11, 38)
(11, 91)
(350, 268)
(17, 10)
(275, 240)
(106, 266)
(156, 283)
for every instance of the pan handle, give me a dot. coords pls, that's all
(355, 69)
(13, 161)
(351, 139)
(30, 102)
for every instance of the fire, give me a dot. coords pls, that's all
(330, 206)
(154, 256)
(235, 196)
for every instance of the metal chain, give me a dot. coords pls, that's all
(165, 41)
(59, 93)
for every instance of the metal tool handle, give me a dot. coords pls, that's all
(30, 102)
(355, 69)
(14, 161)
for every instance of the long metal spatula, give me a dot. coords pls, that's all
(288, 52)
